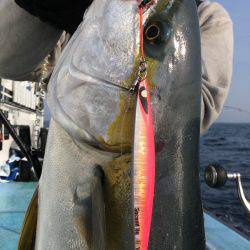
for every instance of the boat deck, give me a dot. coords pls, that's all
(14, 200)
(15, 197)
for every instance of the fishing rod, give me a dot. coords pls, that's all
(237, 109)
(29, 154)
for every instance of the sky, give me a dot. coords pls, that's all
(239, 95)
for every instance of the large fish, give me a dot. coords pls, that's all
(93, 125)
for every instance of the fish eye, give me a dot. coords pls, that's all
(157, 33)
(152, 32)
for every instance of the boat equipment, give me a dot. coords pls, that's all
(29, 154)
(216, 176)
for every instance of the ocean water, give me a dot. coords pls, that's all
(229, 145)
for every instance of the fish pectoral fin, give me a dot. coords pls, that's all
(98, 241)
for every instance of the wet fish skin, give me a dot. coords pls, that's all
(177, 214)
(89, 99)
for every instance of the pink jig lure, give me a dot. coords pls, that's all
(144, 168)
(143, 162)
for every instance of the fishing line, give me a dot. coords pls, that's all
(128, 107)
(141, 35)
(9, 229)
(237, 109)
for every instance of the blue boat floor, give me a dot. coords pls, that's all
(15, 198)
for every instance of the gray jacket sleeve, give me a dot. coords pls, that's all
(217, 60)
(45, 69)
